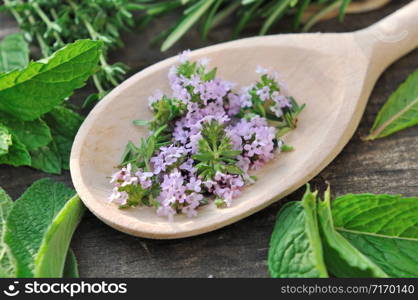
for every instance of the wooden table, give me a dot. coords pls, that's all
(389, 165)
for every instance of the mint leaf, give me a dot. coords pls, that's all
(396, 257)
(341, 257)
(29, 93)
(5, 139)
(18, 154)
(64, 125)
(33, 134)
(47, 159)
(383, 215)
(7, 263)
(40, 226)
(399, 112)
(382, 227)
(295, 246)
(14, 53)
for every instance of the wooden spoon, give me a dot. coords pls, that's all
(332, 73)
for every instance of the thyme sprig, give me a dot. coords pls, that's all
(215, 152)
(139, 156)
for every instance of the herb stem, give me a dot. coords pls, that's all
(96, 36)
(98, 85)
(52, 26)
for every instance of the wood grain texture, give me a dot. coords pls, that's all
(389, 165)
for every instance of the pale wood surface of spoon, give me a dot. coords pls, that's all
(332, 73)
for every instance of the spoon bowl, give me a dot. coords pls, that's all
(332, 73)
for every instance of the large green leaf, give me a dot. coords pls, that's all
(14, 53)
(29, 93)
(5, 139)
(47, 158)
(341, 257)
(33, 134)
(383, 227)
(64, 124)
(7, 263)
(18, 154)
(295, 246)
(399, 112)
(40, 226)
(383, 215)
(52, 254)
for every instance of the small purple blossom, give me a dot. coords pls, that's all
(167, 157)
(184, 56)
(173, 194)
(260, 70)
(125, 179)
(158, 95)
(264, 93)
(255, 138)
(226, 186)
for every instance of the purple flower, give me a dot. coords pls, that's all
(188, 166)
(184, 56)
(167, 157)
(234, 104)
(144, 178)
(264, 93)
(260, 70)
(204, 61)
(194, 184)
(193, 202)
(158, 95)
(245, 97)
(120, 198)
(173, 194)
(166, 211)
(225, 186)
(255, 138)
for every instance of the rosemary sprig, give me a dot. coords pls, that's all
(210, 13)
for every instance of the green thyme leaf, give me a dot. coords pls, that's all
(215, 153)
(14, 53)
(399, 112)
(165, 111)
(29, 93)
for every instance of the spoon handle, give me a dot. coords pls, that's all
(393, 36)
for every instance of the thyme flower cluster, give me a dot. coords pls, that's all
(204, 140)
